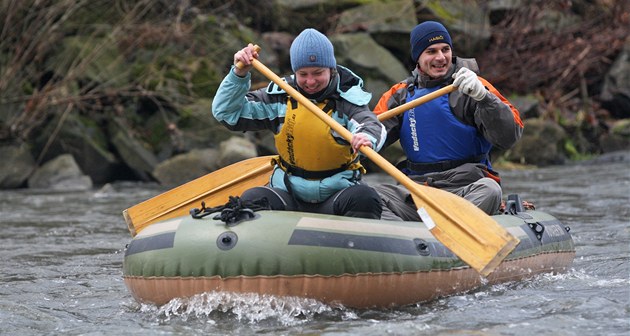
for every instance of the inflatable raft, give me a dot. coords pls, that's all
(354, 262)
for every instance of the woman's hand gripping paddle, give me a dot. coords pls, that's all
(463, 228)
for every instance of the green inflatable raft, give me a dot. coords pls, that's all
(354, 262)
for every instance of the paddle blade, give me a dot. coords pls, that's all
(466, 230)
(214, 189)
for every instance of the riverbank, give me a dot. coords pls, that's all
(126, 91)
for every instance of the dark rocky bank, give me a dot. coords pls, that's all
(103, 91)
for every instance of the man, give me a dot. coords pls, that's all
(316, 170)
(448, 140)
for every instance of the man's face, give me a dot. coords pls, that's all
(435, 60)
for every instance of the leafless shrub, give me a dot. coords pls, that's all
(563, 62)
(38, 81)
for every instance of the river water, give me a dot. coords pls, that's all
(62, 272)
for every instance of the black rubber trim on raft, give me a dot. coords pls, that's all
(157, 242)
(555, 232)
(365, 243)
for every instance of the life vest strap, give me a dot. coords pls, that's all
(423, 168)
(309, 174)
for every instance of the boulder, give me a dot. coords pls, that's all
(615, 95)
(280, 43)
(18, 163)
(132, 151)
(396, 16)
(618, 138)
(542, 144)
(186, 167)
(373, 63)
(60, 174)
(82, 138)
(199, 129)
(264, 141)
(527, 106)
(234, 150)
(318, 7)
(467, 22)
(388, 23)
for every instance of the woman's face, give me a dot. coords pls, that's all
(312, 79)
(435, 60)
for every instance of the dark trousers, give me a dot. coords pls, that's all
(355, 201)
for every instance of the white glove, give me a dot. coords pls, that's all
(468, 83)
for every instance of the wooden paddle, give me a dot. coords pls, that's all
(462, 227)
(419, 101)
(213, 188)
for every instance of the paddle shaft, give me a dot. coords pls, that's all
(416, 102)
(367, 151)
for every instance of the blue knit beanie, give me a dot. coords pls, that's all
(426, 34)
(312, 49)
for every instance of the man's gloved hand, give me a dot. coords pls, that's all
(468, 83)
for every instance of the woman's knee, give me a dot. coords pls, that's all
(278, 199)
(366, 193)
(358, 201)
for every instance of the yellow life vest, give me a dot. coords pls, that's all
(307, 148)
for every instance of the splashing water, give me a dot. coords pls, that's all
(250, 307)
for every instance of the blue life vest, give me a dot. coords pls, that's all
(433, 138)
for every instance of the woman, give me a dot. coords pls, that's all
(316, 170)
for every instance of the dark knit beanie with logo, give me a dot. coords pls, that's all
(426, 34)
(312, 49)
